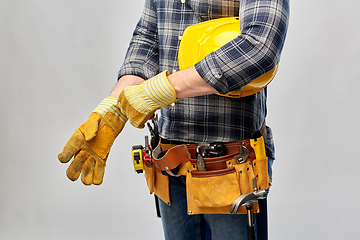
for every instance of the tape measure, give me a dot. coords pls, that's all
(141, 155)
(138, 158)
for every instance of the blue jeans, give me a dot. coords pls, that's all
(178, 225)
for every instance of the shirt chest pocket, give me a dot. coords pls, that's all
(210, 9)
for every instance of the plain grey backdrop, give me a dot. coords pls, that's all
(59, 59)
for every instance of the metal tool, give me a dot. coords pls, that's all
(243, 155)
(141, 154)
(200, 163)
(248, 200)
(147, 152)
(155, 138)
(207, 150)
(154, 132)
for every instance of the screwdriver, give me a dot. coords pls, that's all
(258, 144)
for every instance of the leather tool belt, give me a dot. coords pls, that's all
(216, 174)
(172, 156)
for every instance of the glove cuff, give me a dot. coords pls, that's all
(109, 104)
(139, 102)
(160, 91)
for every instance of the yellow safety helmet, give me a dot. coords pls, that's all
(203, 38)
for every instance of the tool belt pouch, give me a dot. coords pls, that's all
(260, 167)
(157, 182)
(214, 188)
(149, 175)
(213, 192)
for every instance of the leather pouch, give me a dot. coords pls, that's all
(246, 173)
(215, 188)
(150, 176)
(261, 172)
(160, 181)
(156, 182)
(162, 187)
(213, 192)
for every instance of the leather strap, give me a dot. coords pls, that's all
(178, 154)
(174, 156)
(170, 156)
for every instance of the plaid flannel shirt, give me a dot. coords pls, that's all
(211, 118)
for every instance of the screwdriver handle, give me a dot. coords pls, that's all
(258, 144)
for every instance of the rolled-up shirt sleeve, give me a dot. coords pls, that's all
(263, 25)
(142, 57)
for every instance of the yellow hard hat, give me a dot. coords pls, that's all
(203, 38)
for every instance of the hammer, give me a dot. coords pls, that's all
(247, 200)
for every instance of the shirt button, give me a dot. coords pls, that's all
(173, 104)
(180, 37)
(182, 1)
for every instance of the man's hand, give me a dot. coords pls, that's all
(91, 142)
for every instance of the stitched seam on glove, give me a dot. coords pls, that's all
(109, 104)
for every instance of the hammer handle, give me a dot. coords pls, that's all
(251, 233)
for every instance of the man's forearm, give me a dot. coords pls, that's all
(125, 81)
(188, 83)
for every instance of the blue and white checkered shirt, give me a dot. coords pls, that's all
(211, 118)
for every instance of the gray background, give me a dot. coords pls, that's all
(58, 59)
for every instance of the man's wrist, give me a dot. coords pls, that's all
(125, 81)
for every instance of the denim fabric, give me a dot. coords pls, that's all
(178, 225)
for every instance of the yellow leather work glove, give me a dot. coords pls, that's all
(139, 102)
(91, 142)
